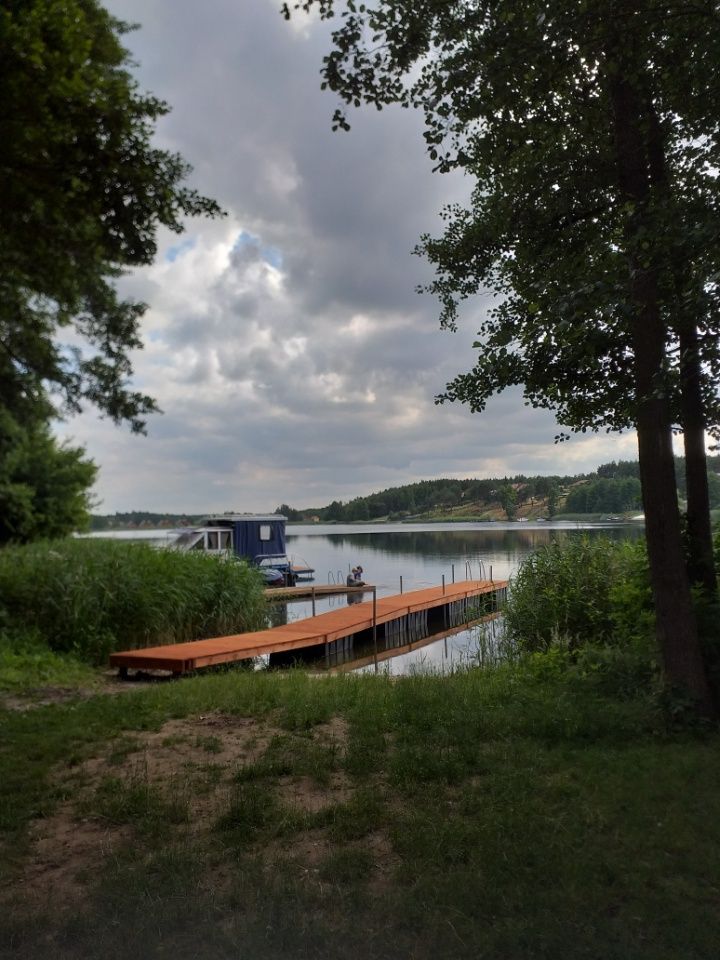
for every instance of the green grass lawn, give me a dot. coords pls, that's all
(519, 812)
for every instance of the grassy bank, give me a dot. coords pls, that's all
(71, 602)
(524, 811)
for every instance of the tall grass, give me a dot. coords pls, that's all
(90, 597)
(580, 591)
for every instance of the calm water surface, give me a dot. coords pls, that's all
(422, 554)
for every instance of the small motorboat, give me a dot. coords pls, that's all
(301, 569)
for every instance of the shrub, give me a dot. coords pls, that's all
(578, 591)
(94, 596)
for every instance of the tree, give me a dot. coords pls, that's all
(714, 489)
(357, 509)
(624, 468)
(285, 511)
(335, 511)
(590, 129)
(507, 495)
(552, 499)
(44, 486)
(542, 485)
(82, 194)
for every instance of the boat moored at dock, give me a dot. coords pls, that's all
(257, 538)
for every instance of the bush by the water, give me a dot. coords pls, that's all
(579, 591)
(89, 597)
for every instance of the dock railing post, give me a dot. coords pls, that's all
(401, 585)
(453, 572)
(443, 581)
(491, 579)
(374, 590)
(313, 601)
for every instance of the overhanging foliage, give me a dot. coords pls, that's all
(82, 194)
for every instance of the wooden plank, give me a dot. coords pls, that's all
(303, 590)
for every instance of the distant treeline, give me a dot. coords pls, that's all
(140, 519)
(613, 488)
(605, 495)
(429, 497)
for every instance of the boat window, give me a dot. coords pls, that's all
(265, 531)
(225, 540)
(212, 540)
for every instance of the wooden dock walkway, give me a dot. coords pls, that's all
(304, 591)
(317, 631)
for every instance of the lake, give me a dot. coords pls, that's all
(421, 554)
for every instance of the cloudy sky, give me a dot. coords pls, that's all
(286, 344)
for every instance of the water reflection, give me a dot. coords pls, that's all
(422, 556)
(460, 648)
(399, 558)
(506, 541)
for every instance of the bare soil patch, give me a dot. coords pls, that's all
(107, 684)
(191, 760)
(310, 797)
(43, 697)
(66, 855)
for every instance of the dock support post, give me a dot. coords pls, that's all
(374, 589)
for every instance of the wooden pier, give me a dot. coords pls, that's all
(305, 591)
(325, 631)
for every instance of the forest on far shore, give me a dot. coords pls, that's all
(613, 489)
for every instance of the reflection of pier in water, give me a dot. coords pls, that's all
(407, 633)
(398, 619)
(351, 657)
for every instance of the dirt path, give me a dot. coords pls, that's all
(108, 684)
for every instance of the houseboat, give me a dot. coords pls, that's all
(259, 539)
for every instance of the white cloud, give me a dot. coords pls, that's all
(286, 344)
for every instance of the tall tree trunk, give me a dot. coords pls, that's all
(675, 619)
(701, 561)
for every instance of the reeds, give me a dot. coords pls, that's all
(90, 597)
(580, 591)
